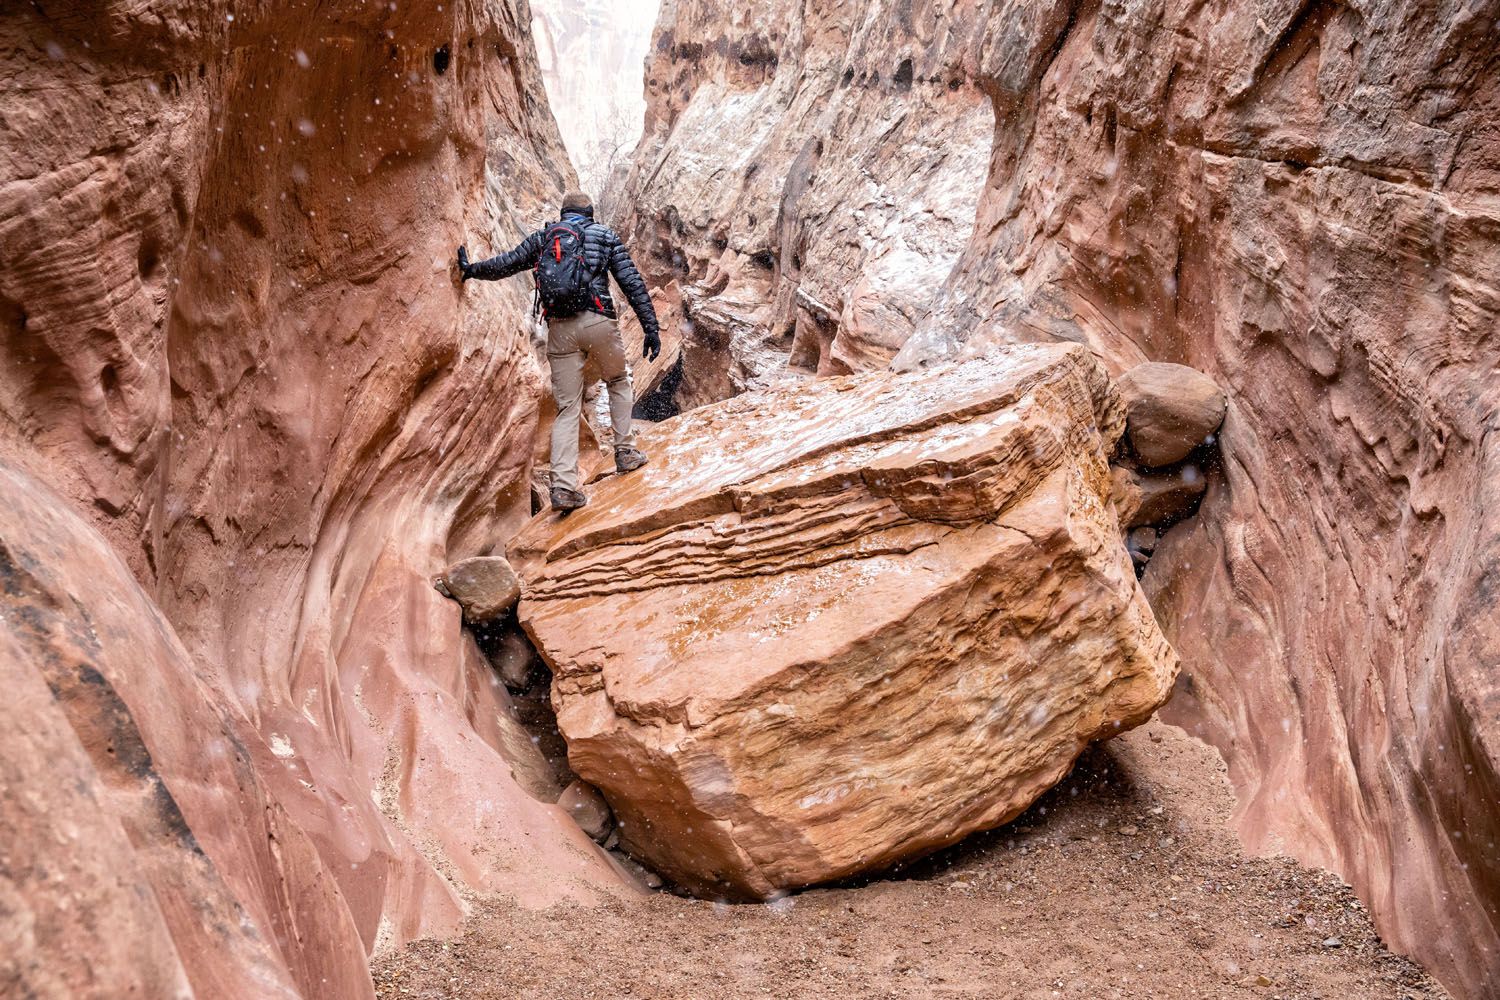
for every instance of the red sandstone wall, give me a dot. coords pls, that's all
(232, 339)
(1300, 198)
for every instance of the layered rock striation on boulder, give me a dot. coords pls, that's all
(835, 626)
(1301, 200)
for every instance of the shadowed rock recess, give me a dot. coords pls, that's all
(843, 624)
(1300, 199)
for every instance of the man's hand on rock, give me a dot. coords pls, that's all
(464, 268)
(651, 345)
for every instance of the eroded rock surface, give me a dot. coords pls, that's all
(148, 850)
(776, 220)
(232, 338)
(842, 624)
(1301, 200)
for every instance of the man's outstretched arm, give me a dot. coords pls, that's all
(634, 287)
(504, 265)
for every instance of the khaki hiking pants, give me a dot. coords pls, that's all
(570, 343)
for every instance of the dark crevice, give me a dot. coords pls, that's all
(661, 403)
(525, 675)
(904, 75)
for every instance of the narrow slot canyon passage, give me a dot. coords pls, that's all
(1127, 879)
(1052, 555)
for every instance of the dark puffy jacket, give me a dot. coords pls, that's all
(603, 254)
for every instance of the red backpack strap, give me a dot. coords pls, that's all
(550, 235)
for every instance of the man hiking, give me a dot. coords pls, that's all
(570, 259)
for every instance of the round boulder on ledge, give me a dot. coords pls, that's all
(485, 586)
(1169, 410)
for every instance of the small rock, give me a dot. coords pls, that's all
(1169, 411)
(637, 871)
(1130, 829)
(1150, 498)
(485, 586)
(1333, 942)
(514, 659)
(1141, 539)
(588, 809)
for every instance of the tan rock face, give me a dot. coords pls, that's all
(773, 217)
(231, 336)
(1299, 200)
(839, 625)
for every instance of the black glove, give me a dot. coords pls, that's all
(651, 345)
(463, 263)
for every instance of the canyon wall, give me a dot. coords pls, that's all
(1301, 198)
(233, 341)
(591, 53)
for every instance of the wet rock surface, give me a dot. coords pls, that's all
(834, 627)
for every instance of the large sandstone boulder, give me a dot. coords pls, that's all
(834, 627)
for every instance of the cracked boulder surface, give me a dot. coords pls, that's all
(232, 341)
(1301, 200)
(835, 626)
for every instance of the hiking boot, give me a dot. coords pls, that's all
(629, 459)
(565, 500)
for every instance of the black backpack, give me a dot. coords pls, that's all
(564, 286)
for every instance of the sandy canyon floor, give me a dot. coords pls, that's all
(1123, 882)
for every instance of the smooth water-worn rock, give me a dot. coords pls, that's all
(1298, 199)
(583, 802)
(1169, 411)
(839, 625)
(148, 849)
(232, 339)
